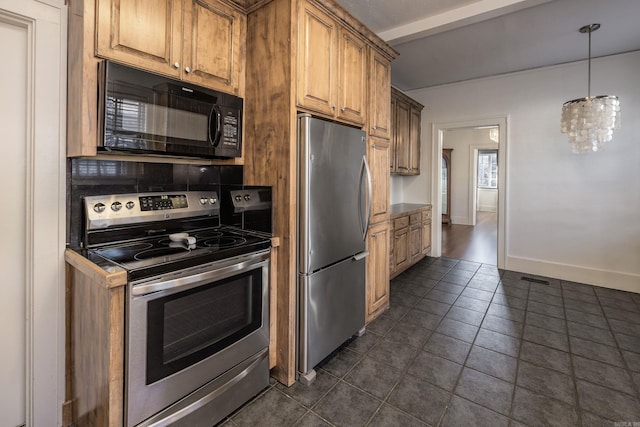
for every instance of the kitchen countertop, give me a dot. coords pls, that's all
(400, 209)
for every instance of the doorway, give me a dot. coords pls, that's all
(476, 228)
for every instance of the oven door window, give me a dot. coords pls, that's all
(190, 326)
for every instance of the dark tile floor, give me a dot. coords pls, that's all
(464, 344)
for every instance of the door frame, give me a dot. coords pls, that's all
(473, 178)
(437, 137)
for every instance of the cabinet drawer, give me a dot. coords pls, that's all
(426, 215)
(401, 222)
(415, 218)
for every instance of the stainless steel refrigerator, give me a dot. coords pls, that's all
(334, 196)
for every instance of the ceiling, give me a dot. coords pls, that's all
(445, 41)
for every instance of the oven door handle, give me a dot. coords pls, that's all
(193, 280)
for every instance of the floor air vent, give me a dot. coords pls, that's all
(531, 279)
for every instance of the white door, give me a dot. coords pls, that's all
(32, 45)
(13, 41)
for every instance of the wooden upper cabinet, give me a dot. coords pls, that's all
(143, 33)
(214, 44)
(200, 41)
(392, 144)
(401, 137)
(406, 116)
(316, 56)
(352, 77)
(379, 95)
(331, 67)
(414, 140)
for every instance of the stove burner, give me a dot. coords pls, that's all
(209, 234)
(124, 251)
(153, 253)
(224, 242)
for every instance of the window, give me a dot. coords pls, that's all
(488, 168)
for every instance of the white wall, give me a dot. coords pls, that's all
(575, 217)
(487, 199)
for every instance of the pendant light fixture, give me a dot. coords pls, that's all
(590, 121)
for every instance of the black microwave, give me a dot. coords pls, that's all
(145, 113)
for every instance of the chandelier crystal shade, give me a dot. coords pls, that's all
(590, 121)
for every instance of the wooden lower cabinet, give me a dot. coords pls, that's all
(400, 248)
(426, 231)
(415, 237)
(411, 238)
(94, 343)
(377, 270)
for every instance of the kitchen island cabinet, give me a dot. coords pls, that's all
(411, 235)
(284, 79)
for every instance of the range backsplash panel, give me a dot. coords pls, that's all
(92, 177)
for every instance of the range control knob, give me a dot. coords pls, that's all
(203, 200)
(130, 205)
(99, 207)
(116, 206)
(213, 200)
(247, 197)
(238, 198)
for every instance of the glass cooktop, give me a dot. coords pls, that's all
(158, 255)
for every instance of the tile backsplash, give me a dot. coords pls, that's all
(90, 177)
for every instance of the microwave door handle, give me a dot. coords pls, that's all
(215, 133)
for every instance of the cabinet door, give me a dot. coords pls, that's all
(379, 96)
(415, 242)
(414, 141)
(213, 52)
(426, 236)
(377, 269)
(402, 136)
(317, 34)
(352, 72)
(392, 130)
(378, 156)
(400, 248)
(142, 33)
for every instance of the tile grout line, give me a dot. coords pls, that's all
(464, 363)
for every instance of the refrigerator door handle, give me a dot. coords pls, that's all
(370, 194)
(361, 255)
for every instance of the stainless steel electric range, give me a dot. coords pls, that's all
(197, 314)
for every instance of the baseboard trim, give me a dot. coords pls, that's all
(461, 220)
(605, 278)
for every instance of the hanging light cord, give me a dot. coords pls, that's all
(589, 29)
(589, 73)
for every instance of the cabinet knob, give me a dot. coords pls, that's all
(176, 65)
(343, 109)
(333, 106)
(375, 127)
(187, 70)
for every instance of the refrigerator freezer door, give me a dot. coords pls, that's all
(333, 208)
(331, 310)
